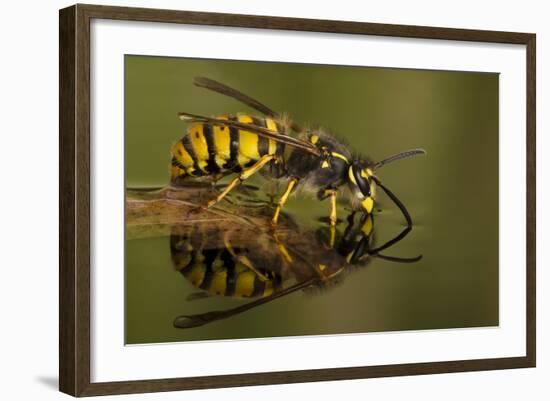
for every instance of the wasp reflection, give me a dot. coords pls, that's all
(264, 265)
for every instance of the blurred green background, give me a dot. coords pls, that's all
(452, 194)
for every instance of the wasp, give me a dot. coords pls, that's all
(282, 150)
(263, 267)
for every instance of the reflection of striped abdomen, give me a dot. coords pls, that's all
(217, 272)
(208, 149)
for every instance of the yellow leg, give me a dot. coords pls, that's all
(243, 259)
(333, 217)
(248, 263)
(282, 249)
(292, 183)
(227, 244)
(320, 270)
(243, 176)
(332, 236)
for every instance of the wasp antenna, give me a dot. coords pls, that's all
(395, 200)
(399, 156)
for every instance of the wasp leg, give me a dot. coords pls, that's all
(248, 263)
(243, 259)
(333, 217)
(242, 176)
(324, 194)
(332, 236)
(282, 249)
(292, 183)
(320, 270)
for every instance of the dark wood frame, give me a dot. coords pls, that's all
(74, 203)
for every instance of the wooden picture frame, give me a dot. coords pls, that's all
(74, 205)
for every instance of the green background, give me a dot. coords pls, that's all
(452, 194)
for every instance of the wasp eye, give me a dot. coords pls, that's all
(362, 181)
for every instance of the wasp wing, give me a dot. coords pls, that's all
(264, 132)
(223, 89)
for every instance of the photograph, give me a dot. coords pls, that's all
(274, 199)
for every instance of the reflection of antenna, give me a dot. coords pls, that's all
(405, 213)
(363, 247)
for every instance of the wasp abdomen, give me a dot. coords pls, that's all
(217, 272)
(208, 149)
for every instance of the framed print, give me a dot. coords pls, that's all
(251, 200)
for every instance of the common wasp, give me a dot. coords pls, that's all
(280, 150)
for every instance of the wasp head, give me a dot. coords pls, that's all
(363, 182)
(362, 185)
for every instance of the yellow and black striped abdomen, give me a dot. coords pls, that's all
(217, 272)
(208, 150)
